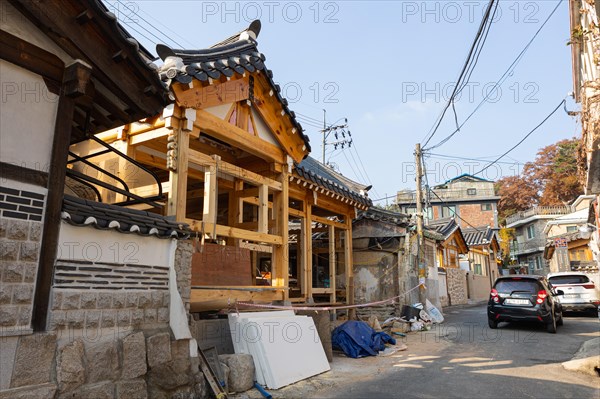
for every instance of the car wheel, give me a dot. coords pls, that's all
(492, 323)
(551, 327)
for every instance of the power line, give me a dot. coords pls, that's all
(563, 102)
(167, 28)
(129, 24)
(451, 157)
(501, 80)
(466, 66)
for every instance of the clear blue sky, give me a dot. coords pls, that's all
(388, 67)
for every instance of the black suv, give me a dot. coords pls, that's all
(524, 298)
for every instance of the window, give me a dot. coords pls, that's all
(486, 207)
(530, 232)
(538, 262)
(477, 268)
(471, 191)
(448, 210)
(571, 229)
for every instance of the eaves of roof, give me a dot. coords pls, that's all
(81, 212)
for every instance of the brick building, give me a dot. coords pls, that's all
(471, 199)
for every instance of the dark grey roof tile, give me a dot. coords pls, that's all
(79, 212)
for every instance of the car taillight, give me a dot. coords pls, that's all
(494, 295)
(589, 286)
(541, 296)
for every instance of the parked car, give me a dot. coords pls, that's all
(524, 298)
(581, 294)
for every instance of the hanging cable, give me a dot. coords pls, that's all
(523, 139)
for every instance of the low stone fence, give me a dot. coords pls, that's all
(137, 365)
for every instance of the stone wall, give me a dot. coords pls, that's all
(457, 286)
(99, 309)
(183, 269)
(138, 365)
(20, 238)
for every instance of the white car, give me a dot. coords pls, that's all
(580, 293)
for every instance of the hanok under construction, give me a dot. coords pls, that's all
(228, 158)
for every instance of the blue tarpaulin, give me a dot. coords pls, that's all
(357, 339)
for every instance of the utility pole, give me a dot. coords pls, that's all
(336, 130)
(420, 248)
(324, 130)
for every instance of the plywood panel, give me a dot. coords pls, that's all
(221, 265)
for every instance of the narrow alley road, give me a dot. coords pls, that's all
(464, 358)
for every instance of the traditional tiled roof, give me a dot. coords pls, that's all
(237, 54)
(81, 212)
(444, 226)
(383, 215)
(314, 171)
(478, 236)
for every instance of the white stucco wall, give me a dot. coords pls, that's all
(91, 244)
(27, 117)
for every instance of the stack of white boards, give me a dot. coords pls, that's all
(285, 347)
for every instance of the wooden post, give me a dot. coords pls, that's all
(177, 162)
(307, 248)
(235, 208)
(332, 262)
(209, 211)
(280, 257)
(263, 209)
(349, 267)
(76, 77)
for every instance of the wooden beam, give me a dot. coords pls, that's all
(140, 138)
(233, 170)
(295, 213)
(75, 78)
(233, 232)
(209, 96)
(256, 247)
(223, 298)
(328, 222)
(332, 262)
(279, 123)
(239, 138)
(263, 209)
(32, 58)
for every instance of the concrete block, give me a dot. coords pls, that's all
(17, 230)
(9, 250)
(159, 349)
(70, 371)
(102, 360)
(29, 251)
(13, 273)
(134, 356)
(131, 389)
(34, 360)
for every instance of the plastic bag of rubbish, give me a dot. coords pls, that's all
(423, 315)
(436, 315)
(416, 326)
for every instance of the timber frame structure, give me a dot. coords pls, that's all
(233, 165)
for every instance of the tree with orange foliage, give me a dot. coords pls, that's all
(551, 179)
